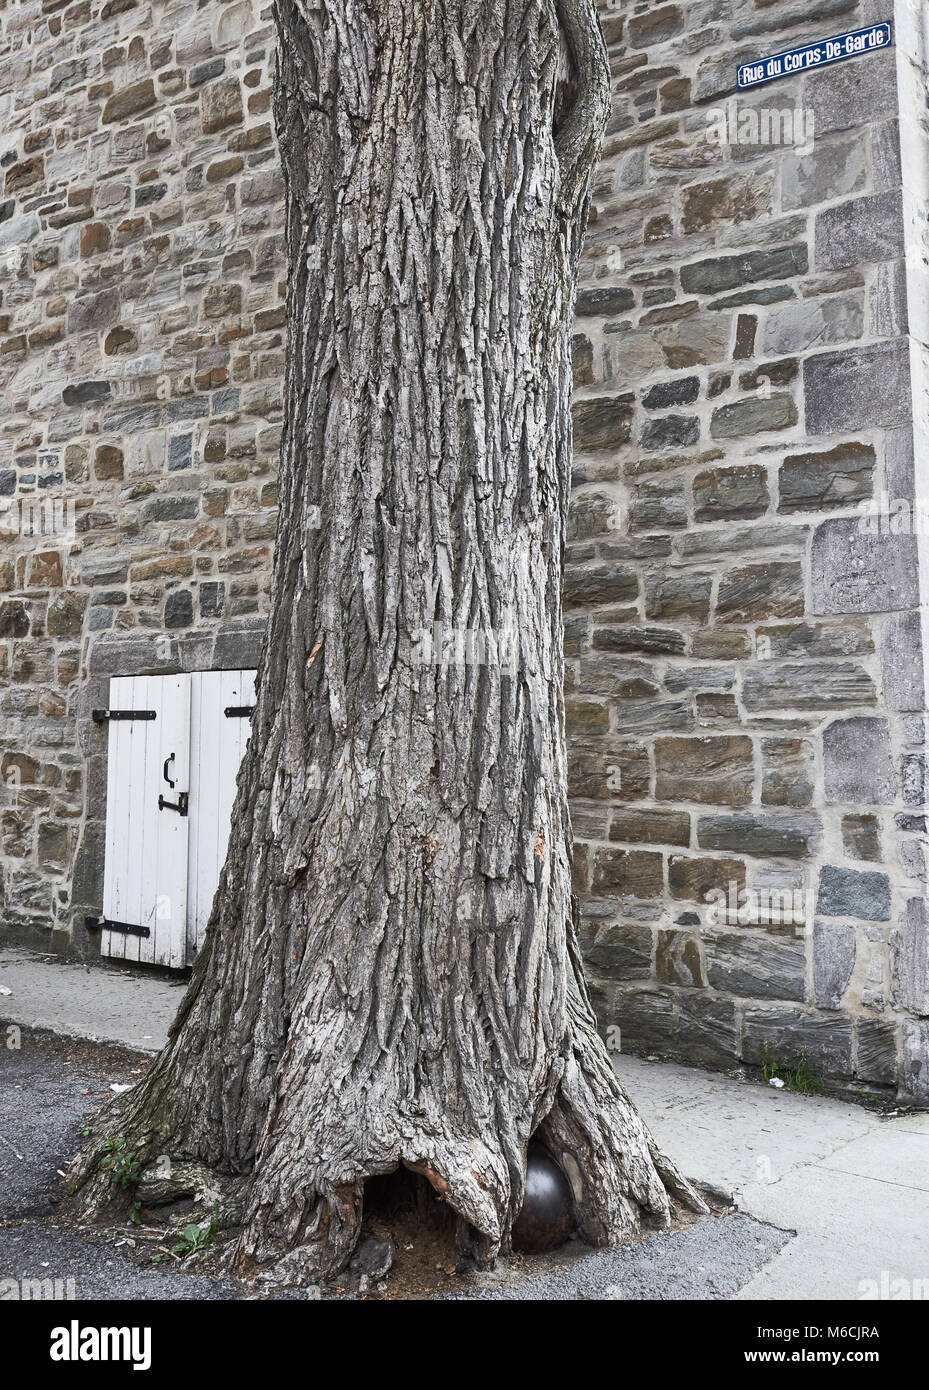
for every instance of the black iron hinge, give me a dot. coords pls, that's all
(181, 805)
(239, 711)
(125, 928)
(100, 716)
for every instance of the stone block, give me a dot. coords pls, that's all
(19, 231)
(604, 422)
(238, 646)
(586, 717)
(707, 1030)
(915, 1058)
(789, 1034)
(665, 394)
(888, 311)
(598, 584)
(679, 959)
(715, 770)
(877, 1052)
(831, 170)
(592, 514)
(860, 231)
(691, 340)
(852, 94)
(633, 638)
(730, 494)
(656, 825)
(902, 663)
(761, 833)
(858, 388)
(221, 106)
(630, 873)
(92, 311)
(861, 837)
(655, 26)
(14, 619)
(606, 774)
(833, 962)
(910, 956)
(87, 878)
(54, 848)
(621, 951)
(692, 878)
(755, 593)
(670, 432)
(733, 198)
(855, 569)
(65, 616)
(814, 322)
(608, 301)
(170, 509)
(131, 656)
(758, 966)
(864, 894)
(645, 1018)
(179, 610)
(857, 761)
(830, 479)
(130, 101)
(659, 505)
(787, 772)
(721, 273)
(617, 678)
(754, 415)
(677, 597)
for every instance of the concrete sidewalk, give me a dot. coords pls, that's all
(102, 1003)
(852, 1186)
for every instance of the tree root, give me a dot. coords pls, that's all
(295, 1224)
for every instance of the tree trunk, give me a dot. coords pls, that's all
(391, 976)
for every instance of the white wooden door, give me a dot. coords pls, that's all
(145, 877)
(219, 730)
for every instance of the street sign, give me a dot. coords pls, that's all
(816, 55)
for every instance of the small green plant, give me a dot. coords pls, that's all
(135, 1214)
(122, 1165)
(86, 1132)
(796, 1074)
(195, 1237)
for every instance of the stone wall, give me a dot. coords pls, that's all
(141, 354)
(745, 671)
(746, 679)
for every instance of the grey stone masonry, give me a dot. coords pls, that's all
(745, 685)
(747, 717)
(142, 273)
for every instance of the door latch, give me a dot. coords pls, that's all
(180, 805)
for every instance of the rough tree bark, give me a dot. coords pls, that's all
(391, 976)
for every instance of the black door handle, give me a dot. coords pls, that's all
(169, 759)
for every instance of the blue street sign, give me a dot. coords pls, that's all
(816, 55)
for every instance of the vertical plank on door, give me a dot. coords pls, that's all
(217, 748)
(169, 924)
(140, 828)
(145, 811)
(204, 812)
(193, 829)
(118, 798)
